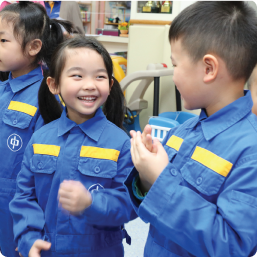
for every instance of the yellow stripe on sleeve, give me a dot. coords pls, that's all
(53, 150)
(175, 142)
(22, 107)
(99, 153)
(212, 161)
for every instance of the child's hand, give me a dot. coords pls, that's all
(74, 197)
(148, 164)
(37, 247)
(146, 137)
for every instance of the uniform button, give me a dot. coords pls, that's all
(14, 122)
(199, 180)
(97, 169)
(40, 165)
(173, 172)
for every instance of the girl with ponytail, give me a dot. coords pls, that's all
(70, 198)
(27, 39)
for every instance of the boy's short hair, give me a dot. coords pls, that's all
(228, 29)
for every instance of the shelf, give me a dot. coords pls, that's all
(111, 23)
(86, 22)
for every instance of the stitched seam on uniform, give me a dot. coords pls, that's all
(53, 150)
(99, 153)
(22, 107)
(175, 142)
(212, 161)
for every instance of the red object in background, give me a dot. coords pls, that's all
(164, 65)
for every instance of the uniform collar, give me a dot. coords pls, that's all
(92, 127)
(26, 80)
(225, 117)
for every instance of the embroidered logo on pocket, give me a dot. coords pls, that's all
(95, 187)
(14, 142)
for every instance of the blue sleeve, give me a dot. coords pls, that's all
(28, 217)
(111, 207)
(227, 228)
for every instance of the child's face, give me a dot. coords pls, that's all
(11, 55)
(188, 78)
(254, 91)
(84, 83)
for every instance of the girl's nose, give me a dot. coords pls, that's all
(89, 85)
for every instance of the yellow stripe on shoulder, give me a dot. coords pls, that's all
(53, 150)
(22, 107)
(175, 142)
(212, 161)
(99, 153)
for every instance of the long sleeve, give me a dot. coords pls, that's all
(201, 227)
(28, 217)
(111, 207)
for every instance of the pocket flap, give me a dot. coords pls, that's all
(43, 163)
(97, 167)
(17, 119)
(206, 171)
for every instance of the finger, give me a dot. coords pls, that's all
(16, 249)
(20, 255)
(132, 133)
(148, 142)
(42, 245)
(147, 131)
(67, 186)
(132, 151)
(65, 201)
(64, 194)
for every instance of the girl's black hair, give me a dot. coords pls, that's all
(49, 106)
(30, 21)
(4, 75)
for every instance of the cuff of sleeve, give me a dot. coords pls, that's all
(27, 240)
(128, 183)
(135, 188)
(159, 194)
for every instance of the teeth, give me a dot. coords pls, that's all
(87, 98)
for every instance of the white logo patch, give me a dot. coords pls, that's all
(14, 142)
(95, 187)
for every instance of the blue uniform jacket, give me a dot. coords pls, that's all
(19, 118)
(204, 203)
(97, 153)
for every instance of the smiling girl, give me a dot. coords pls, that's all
(70, 197)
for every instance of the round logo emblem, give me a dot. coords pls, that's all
(95, 187)
(14, 142)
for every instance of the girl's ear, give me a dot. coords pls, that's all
(34, 47)
(53, 88)
(112, 81)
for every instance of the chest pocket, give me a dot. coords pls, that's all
(206, 171)
(172, 146)
(44, 159)
(19, 114)
(98, 162)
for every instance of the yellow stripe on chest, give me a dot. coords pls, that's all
(212, 161)
(22, 107)
(175, 142)
(53, 150)
(99, 153)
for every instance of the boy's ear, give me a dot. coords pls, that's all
(53, 88)
(34, 47)
(211, 67)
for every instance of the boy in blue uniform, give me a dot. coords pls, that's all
(198, 189)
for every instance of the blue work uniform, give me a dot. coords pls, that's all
(19, 118)
(55, 12)
(204, 203)
(96, 153)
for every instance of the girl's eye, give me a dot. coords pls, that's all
(3, 40)
(101, 77)
(76, 76)
(173, 65)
